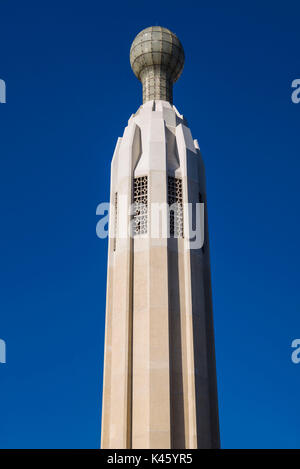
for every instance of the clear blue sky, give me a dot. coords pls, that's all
(70, 92)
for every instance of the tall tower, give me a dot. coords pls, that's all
(159, 386)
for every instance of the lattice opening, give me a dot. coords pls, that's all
(201, 201)
(140, 197)
(176, 207)
(115, 220)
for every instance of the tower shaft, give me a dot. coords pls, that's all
(159, 368)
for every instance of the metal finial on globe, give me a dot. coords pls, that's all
(157, 59)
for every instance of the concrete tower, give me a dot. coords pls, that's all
(159, 386)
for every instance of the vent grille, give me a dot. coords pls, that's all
(140, 195)
(176, 207)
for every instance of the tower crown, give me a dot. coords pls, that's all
(157, 59)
